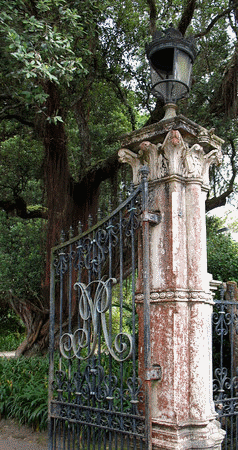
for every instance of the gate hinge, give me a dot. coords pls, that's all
(153, 218)
(154, 374)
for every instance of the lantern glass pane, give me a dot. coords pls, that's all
(182, 67)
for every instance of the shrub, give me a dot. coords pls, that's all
(12, 330)
(11, 341)
(24, 390)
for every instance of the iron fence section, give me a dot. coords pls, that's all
(95, 394)
(225, 364)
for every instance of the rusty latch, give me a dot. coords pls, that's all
(153, 218)
(154, 374)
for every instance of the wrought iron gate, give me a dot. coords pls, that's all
(96, 398)
(225, 364)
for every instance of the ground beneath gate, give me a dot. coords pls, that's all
(16, 437)
(20, 437)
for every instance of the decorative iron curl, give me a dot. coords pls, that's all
(221, 383)
(85, 338)
(131, 221)
(61, 262)
(221, 320)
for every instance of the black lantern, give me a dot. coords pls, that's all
(171, 57)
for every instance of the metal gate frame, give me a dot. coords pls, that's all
(96, 399)
(225, 363)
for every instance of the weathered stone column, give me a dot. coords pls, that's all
(178, 153)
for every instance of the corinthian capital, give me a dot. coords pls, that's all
(131, 158)
(213, 157)
(173, 149)
(149, 154)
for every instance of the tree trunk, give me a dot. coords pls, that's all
(68, 203)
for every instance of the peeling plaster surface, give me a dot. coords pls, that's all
(182, 408)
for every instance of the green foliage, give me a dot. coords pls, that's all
(11, 329)
(11, 340)
(43, 48)
(21, 257)
(20, 166)
(24, 386)
(24, 390)
(222, 252)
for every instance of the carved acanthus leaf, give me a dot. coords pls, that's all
(193, 161)
(213, 157)
(149, 154)
(174, 148)
(173, 157)
(131, 158)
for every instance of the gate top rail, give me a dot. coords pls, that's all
(100, 223)
(226, 302)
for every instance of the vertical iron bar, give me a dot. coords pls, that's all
(62, 260)
(64, 436)
(70, 288)
(93, 372)
(222, 314)
(79, 272)
(132, 232)
(146, 291)
(236, 419)
(55, 434)
(121, 313)
(51, 350)
(73, 437)
(110, 329)
(61, 256)
(70, 313)
(89, 274)
(69, 436)
(99, 345)
(231, 299)
(83, 437)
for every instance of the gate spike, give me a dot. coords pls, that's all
(80, 227)
(62, 236)
(90, 221)
(120, 195)
(222, 291)
(109, 206)
(99, 216)
(71, 232)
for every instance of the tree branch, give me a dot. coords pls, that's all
(101, 171)
(187, 16)
(215, 202)
(213, 22)
(153, 15)
(18, 118)
(19, 207)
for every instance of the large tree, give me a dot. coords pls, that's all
(73, 78)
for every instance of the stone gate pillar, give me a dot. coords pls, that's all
(178, 153)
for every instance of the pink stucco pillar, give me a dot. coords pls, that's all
(181, 404)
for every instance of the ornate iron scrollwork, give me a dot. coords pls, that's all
(90, 309)
(97, 396)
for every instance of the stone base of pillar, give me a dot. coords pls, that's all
(194, 437)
